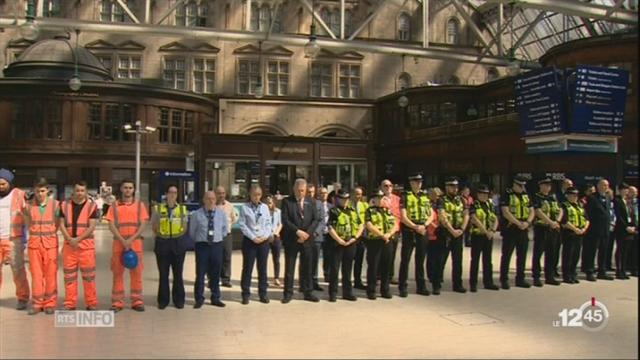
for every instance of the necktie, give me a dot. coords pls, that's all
(210, 227)
(301, 208)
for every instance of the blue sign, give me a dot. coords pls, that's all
(539, 102)
(598, 101)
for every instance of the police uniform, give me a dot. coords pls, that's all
(378, 251)
(344, 221)
(360, 208)
(574, 214)
(481, 244)
(519, 205)
(545, 237)
(454, 211)
(170, 249)
(418, 210)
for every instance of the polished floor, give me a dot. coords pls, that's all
(488, 324)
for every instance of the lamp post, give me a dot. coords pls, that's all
(138, 130)
(311, 49)
(30, 29)
(74, 83)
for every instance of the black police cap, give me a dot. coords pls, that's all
(342, 194)
(451, 181)
(520, 180)
(572, 190)
(377, 193)
(482, 188)
(544, 180)
(415, 177)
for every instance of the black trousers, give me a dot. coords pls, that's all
(358, 261)
(378, 262)
(571, 244)
(609, 256)
(623, 245)
(556, 250)
(227, 250)
(170, 258)
(341, 259)
(315, 260)
(543, 243)
(394, 249)
(435, 252)
(291, 251)
(276, 246)
(326, 255)
(209, 261)
(252, 253)
(593, 243)
(454, 247)
(514, 239)
(411, 240)
(481, 245)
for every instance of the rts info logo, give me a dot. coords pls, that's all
(591, 316)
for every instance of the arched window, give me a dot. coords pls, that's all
(454, 80)
(404, 81)
(453, 31)
(492, 74)
(404, 27)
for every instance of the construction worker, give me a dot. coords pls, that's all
(344, 229)
(360, 206)
(127, 218)
(392, 202)
(518, 215)
(78, 217)
(575, 224)
(169, 222)
(416, 215)
(42, 218)
(545, 232)
(381, 225)
(454, 217)
(484, 224)
(12, 205)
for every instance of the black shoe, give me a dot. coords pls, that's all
(473, 288)
(491, 287)
(115, 309)
(436, 289)
(575, 280)
(634, 273)
(264, 300)
(349, 297)
(218, 303)
(423, 292)
(523, 284)
(33, 311)
(49, 310)
(505, 285)
(556, 274)
(371, 296)
(22, 304)
(197, 305)
(359, 286)
(552, 282)
(138, 308)
(604, 276)
(537, 282)
(286, 300)
(590, 277)
(403, 293)
(568, 281)
(245, 301)
(311, 298)
(226, 284)
(91, 308)
(317, 287)
(162, 306)
(626, 277)
(179, 306)
(387, 295)
(459, 289)
(332, 298)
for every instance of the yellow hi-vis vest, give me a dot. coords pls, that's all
(175, 226)
(382, 219)
(418, 207)
(345, 223)
(361, 208)
(575, 215)
(549, 207)
(519, 206)
(454, 210)
(486, 215)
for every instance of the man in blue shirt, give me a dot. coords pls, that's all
(208, 227)
(255, 224)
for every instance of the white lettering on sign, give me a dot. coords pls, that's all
(289, 150)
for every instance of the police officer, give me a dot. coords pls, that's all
(344, 229)
(169, 224)
(416, 215)
(484, 223)
(575, 224)
(360, 205)
(545, 232)
(381, 228)
(454, 217)
(518, 215)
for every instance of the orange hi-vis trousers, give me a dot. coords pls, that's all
(85, 260)
(43, 263)
(12, 253)
(117, 292)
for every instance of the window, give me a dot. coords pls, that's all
(192, 13)
(404, 27)
(175, 126)
(105, 121)
(129, 66)
(163, 126)
(204, 75)
(248, 76)
(91, 176)
(51, 8)
(94, 122)
(277, 78)
(453, 26)
(174, 73)
(260, 17)
(404, 81)
(428, 115)
(349, 81)
(36, 119)
(321, 80)
(18, 120)
(448, 113)
(110, 11)
(107, 61)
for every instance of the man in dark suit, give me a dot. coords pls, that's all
(625, 230)
(598, 209)
(299, 220)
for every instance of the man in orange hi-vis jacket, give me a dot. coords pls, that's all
(78, 217)
(42, 217)
(11, 231)
(127, 219)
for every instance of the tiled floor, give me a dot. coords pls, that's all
(505, 324)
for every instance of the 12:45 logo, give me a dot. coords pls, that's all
(591, 316)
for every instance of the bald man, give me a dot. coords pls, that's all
(598, 209)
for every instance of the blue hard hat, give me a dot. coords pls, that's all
(130, 259)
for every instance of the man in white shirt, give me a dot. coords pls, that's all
(232, 217)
